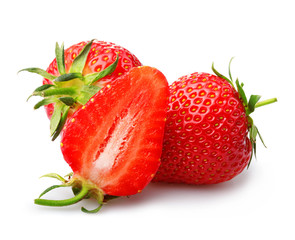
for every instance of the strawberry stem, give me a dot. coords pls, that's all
(265, 102)
(66, 202)
(81, 189)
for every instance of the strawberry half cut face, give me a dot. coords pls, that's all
(114, 142)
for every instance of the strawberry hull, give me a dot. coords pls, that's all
(101, 55)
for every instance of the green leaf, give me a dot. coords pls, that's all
(61, 123)
(253, 133)
(254, 149)
(51, 188)
(39, 71)
(91, 89)
(241, 92)
(69, 101)
(260, 137)
(44, 102)
(38, 90)
(43, 87)
(54, 175)
(252, 102)
(221, 76)
(56, 117)
(70, 91)
(229, 72)
(84, 97)
(79, 62)
(91, 211)
(93, 77)
(68, 77)
(87, 92)
(60, 58)
(252, 153)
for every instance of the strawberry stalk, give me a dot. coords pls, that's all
(265, 102)
(81, 189)
(250, 106)
(66, 202)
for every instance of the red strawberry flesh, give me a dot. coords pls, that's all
(115, 140)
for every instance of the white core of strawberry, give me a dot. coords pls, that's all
(116, 143)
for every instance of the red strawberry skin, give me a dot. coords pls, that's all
(101, 55)
(205, 139)
(115, 140)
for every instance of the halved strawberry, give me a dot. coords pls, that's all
(114, 142)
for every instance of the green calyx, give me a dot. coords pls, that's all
(250, 106)
(82, 189)
(68, 90)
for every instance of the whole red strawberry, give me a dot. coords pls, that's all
(209, 135)
(113, 143)
(76, 74)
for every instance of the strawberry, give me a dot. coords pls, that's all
(76, 74)
(209, 135)
(113, 143)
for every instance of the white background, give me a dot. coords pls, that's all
(177, 37)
